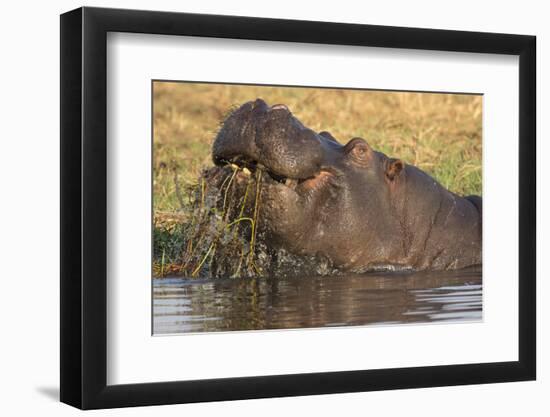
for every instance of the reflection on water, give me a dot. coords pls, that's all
(182, 305)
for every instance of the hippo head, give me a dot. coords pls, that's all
(318, 196)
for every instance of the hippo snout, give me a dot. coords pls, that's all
(271, 137)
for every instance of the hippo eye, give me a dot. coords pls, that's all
(358, 149)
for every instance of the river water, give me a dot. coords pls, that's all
(188, 306)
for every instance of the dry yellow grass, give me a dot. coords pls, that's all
(440, 133)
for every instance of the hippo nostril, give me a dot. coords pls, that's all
(259, 103)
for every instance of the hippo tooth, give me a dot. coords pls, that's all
(246, 171)
(234, 166)
(289, 182)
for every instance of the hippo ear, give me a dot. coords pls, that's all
(394, 168)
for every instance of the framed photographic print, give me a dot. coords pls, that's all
(257, 208)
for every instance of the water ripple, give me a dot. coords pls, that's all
(183, 305)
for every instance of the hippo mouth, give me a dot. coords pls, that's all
(251, 168)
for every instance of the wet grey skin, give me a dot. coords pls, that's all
(350, 203)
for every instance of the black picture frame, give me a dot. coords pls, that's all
(84, 207)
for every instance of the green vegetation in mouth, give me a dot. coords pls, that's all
(439, 133)
(219, 236)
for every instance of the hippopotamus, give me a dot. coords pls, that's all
(352, 204)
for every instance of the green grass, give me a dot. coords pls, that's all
(439, 133)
